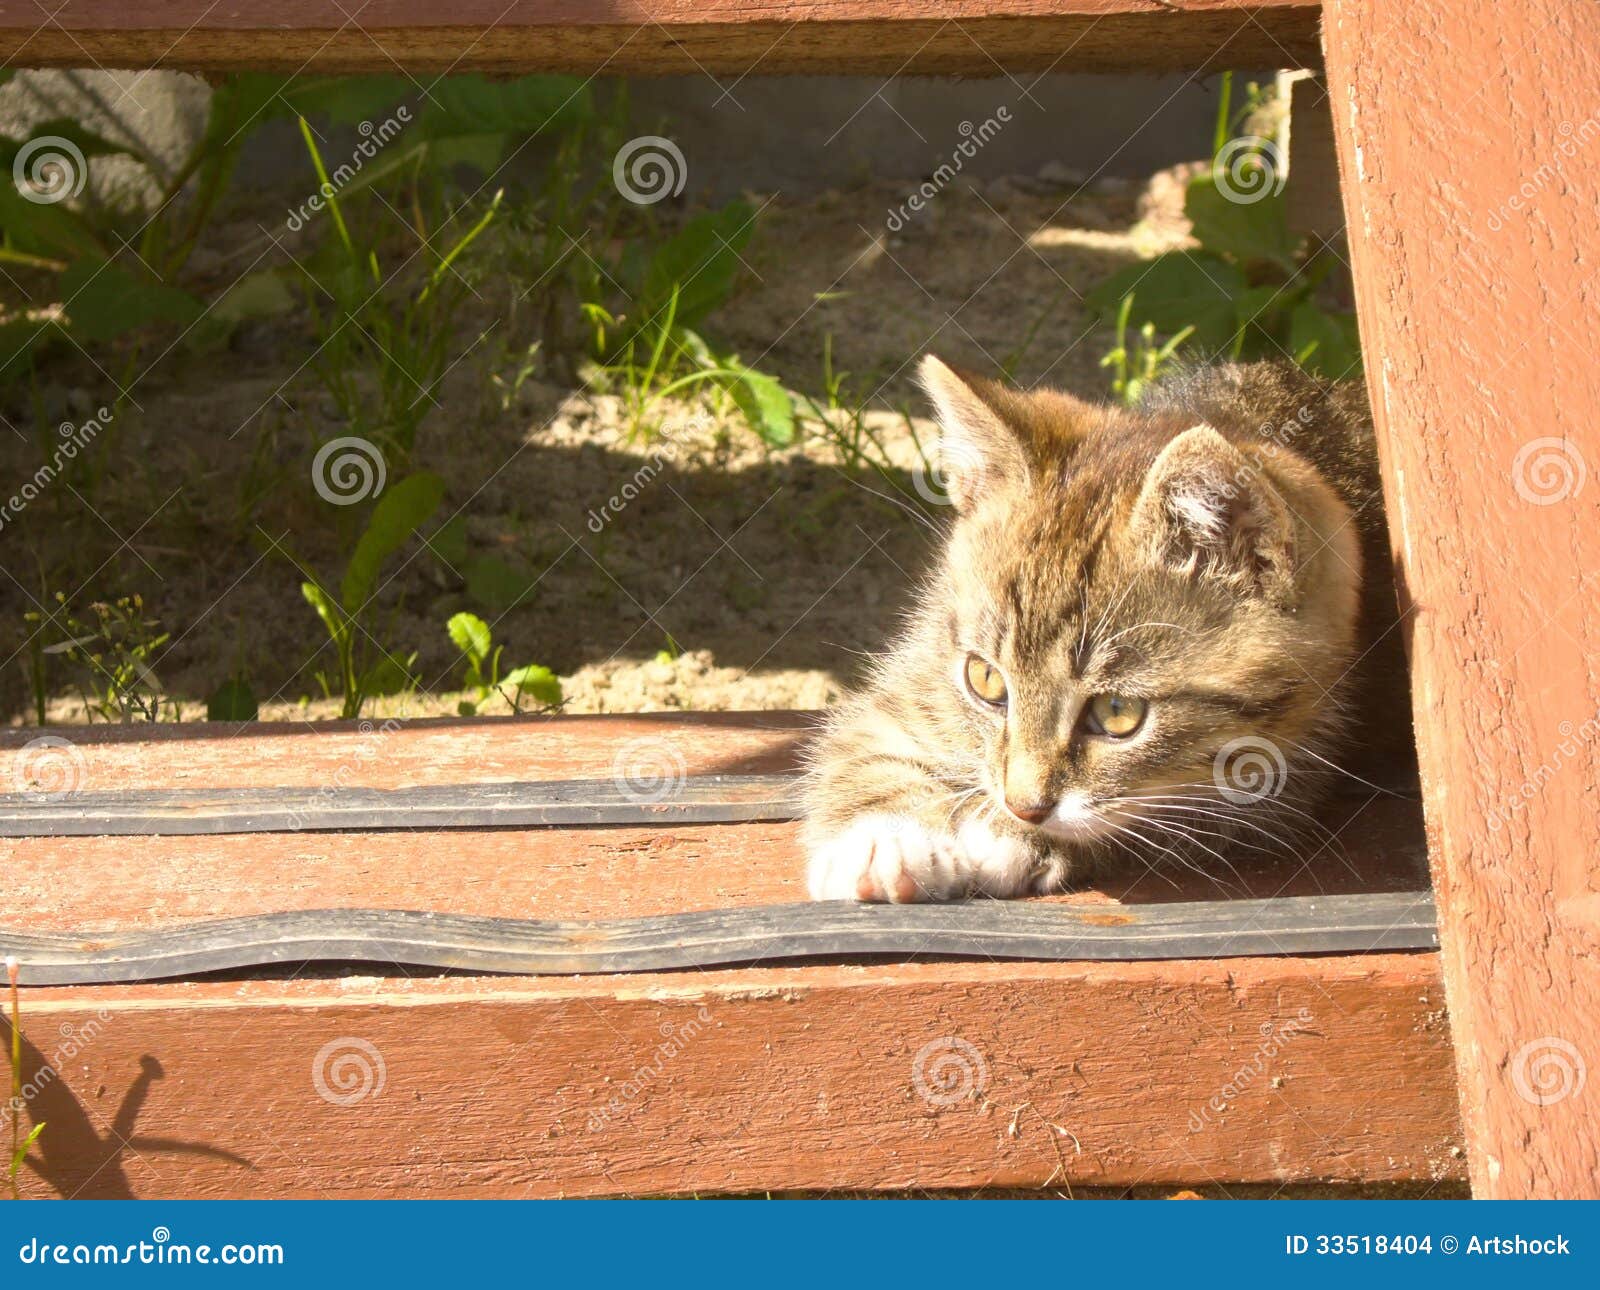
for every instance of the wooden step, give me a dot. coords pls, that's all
(866, 1074)
(654, 37)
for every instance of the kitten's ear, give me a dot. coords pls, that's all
(1206, 507)
(978, 448)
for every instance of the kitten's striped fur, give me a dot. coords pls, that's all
(1203, 553)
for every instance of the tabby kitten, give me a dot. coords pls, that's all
(1141, 640)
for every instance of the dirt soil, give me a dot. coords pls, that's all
(736, 577)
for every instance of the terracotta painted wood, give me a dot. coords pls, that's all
(111, 883)
(401, 754)
(1058, 1075)
(628, 37)
(1471, 159)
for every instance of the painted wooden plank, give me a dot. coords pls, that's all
(1469, 157)
(396, 753)
(115, 884)
(883, 1077)
(766, 934)
(970, 37)
(576, 803)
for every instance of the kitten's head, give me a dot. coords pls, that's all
(1137, 608)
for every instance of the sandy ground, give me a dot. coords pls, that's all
(737, 577)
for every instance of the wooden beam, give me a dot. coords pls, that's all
(884, 1077)
(653, 37)
(1469, 151)
(623, 871)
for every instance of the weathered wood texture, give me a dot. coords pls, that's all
(967, 37)
(1471, 159)
(918, 1076)
(799, 1077)
(112, 883)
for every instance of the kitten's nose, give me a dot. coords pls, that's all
(1032, 812)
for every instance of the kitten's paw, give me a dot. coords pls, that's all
(888, 857)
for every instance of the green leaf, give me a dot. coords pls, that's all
(700, 260)
(347, 100)
(482, 152)
(104, 300)
(473, 104)
(390, 675)
(766, 405)
(1332, 341)
(471, 636)
(233, 701)
(1177, 290)
(332, 619)
(19, 337)
(401, 511)
(1247, 231)
(495, 584)
(45, 228)
(262, 294)
(538, 682)
(449, 542)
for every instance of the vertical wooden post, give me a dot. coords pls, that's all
(1470, 152)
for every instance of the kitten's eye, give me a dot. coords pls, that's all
(985, 681)
(1116, 715)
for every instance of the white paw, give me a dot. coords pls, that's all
(892, 858)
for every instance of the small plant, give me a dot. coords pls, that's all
(649, 344)
(1251, 289)
(376, 332)
(366, 668)
(111, 649)
(1135, 369)
(481, 673)
(19, 1143)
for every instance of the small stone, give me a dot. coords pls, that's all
(1060, 175)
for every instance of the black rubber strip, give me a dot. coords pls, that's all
(692, 799)
(719, 938)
